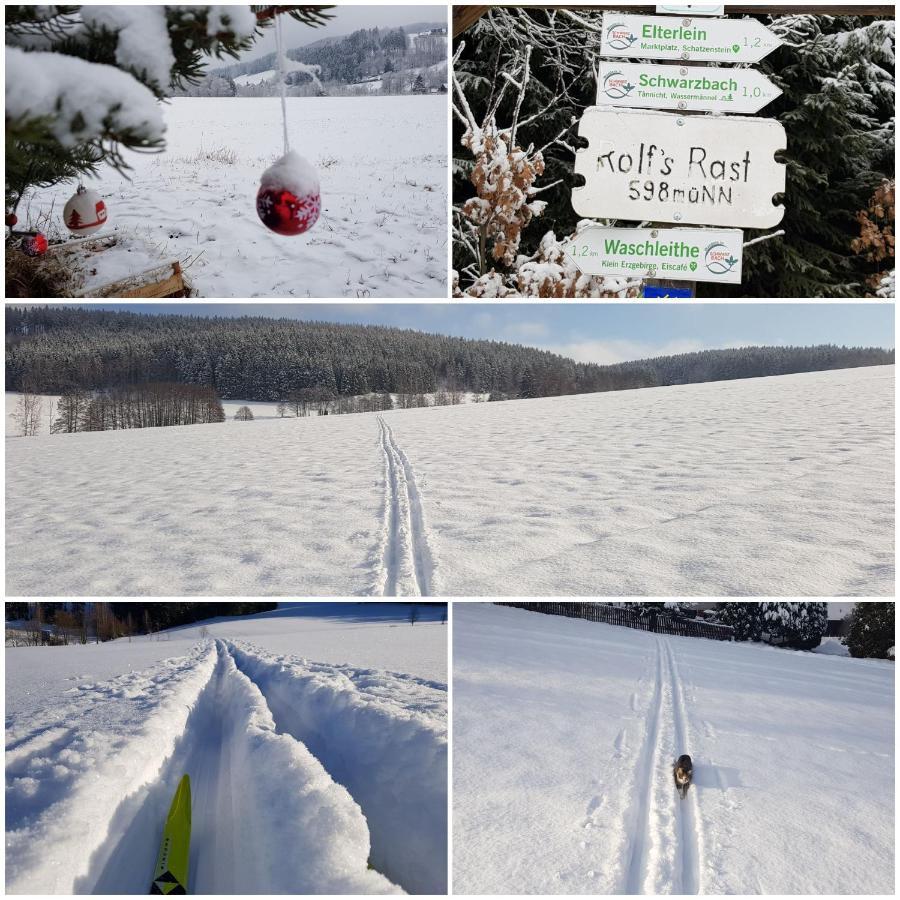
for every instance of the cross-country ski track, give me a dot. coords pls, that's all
(407, 562)
(565, 736)
(306, 778)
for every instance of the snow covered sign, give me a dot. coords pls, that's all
(664, 37)
(679, 254)
(681, 87)
(697, 170)
(691, 9)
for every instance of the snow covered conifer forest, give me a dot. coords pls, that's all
(522, 78)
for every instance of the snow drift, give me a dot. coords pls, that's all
(390, 755)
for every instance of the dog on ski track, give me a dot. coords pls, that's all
(684, 772)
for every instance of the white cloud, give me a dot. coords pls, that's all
(623, 350)
(526, 330)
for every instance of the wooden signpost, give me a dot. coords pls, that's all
(678, 254)
(707, 40)
(704, 88)
(698, 170)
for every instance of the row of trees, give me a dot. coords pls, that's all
(148, 405)
(51, 349)
(799, 625)
(68, 622)
(802, 625)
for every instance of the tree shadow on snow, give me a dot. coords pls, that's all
(709, 775)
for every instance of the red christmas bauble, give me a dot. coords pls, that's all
(288, 201)
(11, 219)
(286, 213)
(36, 245)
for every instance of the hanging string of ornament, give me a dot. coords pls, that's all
(288, 201)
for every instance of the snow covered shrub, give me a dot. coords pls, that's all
(871, 630)
(745, 618)
(799, 626)
(550, 273)
(876, 240)
(488, 227)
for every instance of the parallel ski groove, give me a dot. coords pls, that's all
(407, 557)
(640, 825)
(688, 813)
(390, 540)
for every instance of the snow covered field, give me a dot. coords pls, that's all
(382, 166)
(564, 736)
(768, 486)
(315, 738)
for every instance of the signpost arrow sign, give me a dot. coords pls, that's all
(707, 40)
(660, 167)
(682, 87)
(678, 254)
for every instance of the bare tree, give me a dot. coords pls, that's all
(282, 408)
(28, 413)
(244, 414)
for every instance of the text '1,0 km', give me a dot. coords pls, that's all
(700, 88)
(697, 170)
(680, 254)
(708, 40)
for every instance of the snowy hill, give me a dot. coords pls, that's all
(564, 736)
(256, 77)
(315, 737)
(766, 486)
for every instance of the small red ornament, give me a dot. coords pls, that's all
(288, 201)
(11, 219)
(35, 245)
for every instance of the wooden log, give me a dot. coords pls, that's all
(160, 281)
(464, 17)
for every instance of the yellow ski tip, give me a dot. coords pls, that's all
(181, 802)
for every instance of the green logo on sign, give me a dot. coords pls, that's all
(735, 47)
(693, 267)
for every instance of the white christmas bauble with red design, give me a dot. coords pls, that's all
(288, 200)
(85, 212)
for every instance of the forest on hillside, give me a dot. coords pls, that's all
(391, 55)
(50, 350)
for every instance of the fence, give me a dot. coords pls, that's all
(645, 618)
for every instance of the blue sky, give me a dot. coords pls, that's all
(600, 333)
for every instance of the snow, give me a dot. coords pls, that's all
(291, 172)
(832, 646)
(255, 78)
(142, 38)
(382, 166)
(778, 486)
(238, 20)
(99, 735)
(83, 100)
(564, 736)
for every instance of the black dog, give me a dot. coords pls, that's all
(684, 772)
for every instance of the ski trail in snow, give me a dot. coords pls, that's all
(407, 561)
(688, 814)
(640, 823)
